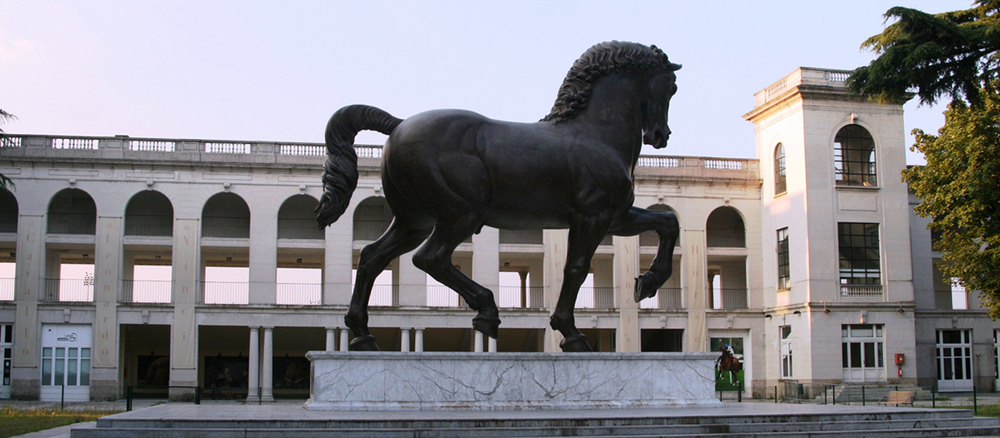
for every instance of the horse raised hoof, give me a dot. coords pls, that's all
(489, 326)
(364, 343)
(575, 344)
(646, 286)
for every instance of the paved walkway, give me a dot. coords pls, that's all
(293, 409)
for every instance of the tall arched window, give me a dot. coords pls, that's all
(779, 169)
(854, 157)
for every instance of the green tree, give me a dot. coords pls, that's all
(960, 188)
(5, 183)
(951, 54)
(955, 55)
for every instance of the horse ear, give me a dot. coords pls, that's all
(675, 67)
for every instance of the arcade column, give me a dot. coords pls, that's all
(626, 269)
(104, 380)
(30, 258)
(184, 330)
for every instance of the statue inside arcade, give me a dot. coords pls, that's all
(448, 173)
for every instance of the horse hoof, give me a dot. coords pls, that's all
(487, 326)
(575, 344)
(645, 287)
(364, 343)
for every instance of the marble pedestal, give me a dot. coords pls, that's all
(509, 381)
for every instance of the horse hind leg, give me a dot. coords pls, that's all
(396, 240)
(434, 258)
(665, 224)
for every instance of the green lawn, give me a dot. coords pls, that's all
(15, 422)
(984, 410)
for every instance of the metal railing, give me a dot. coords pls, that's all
(368, 230)
(225, 292)
(510, 297)
(295, 228)
(521, 237)
(149, 225)
(302, 294)
(734, 298)
(6, 289)
(861, 290)
(226, 227)
(725, 239)
(667, 298)
(68, 290)
(145, 291)
(72, 223)
(384, 295)
(596, 298)
(441, 296)
(8, 221)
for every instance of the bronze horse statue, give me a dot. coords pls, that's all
(448, 173)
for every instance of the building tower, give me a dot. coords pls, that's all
(838, 290)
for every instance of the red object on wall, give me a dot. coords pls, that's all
(900, 359)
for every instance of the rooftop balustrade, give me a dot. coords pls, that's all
(252, 153)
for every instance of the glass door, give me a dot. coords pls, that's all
(954, 360)
(6, 356)
(863, 353)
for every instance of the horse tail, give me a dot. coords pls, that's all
(340, 172)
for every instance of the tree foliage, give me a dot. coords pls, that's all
(960, 188)
(952, 54)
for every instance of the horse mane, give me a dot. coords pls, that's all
(598, 61)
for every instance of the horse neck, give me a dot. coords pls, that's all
(614, 113)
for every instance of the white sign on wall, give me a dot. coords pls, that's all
(67, 335)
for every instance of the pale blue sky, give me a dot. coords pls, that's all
(275, 71)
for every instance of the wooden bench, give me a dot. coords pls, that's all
(900, 398)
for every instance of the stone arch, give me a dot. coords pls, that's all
(650, 238)
(725, 228)
(8, 212)
(371, 218)
(72, 211)
(149, 213)
(297, 218)
(225, 215)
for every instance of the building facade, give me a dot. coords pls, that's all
(796, 259)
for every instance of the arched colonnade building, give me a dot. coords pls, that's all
(207, 270)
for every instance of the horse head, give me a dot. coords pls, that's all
(662, 86)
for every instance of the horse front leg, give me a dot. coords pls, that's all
(396, 240)
(665, 224)
(585, 234)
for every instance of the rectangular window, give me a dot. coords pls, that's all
(84, 366)
(786, 351)
(860, 260)
(47, 366)
(783, 271)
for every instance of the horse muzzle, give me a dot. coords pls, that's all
(657, 138)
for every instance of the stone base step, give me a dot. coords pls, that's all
(878, 423)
